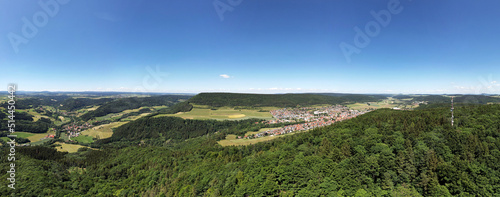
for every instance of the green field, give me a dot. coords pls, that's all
(222, 113)
(35, 138)
(23, 134)
(83, 139)
(71, 148)
(386, 103)
(102, 131)
(231, 140)
(5, 139)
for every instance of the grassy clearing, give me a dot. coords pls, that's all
(92, 108)
(319, 106)
(231, 140)
(37, 116)
(222, 113)
(386, 103)
(64, 136)
(71, 148)
(23, 134)
(131, 118)
(33, 137)
(83, 139)
(102, 131)
(260, 130)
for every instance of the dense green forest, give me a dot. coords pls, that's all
(179, 107)
(470, 99)
(276, 100)
(175, 128)
(24, 123)
(38, 101)
(382, 153)
(357, 98)
(71, 104)
(120, 105)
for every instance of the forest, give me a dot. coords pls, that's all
(71, 104)
(174, 128)
(468, 99)
(276, 100)
(120, 105)
(24, 123)
(381, 153)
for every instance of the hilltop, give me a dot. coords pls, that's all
(277, 100)
(381, 153)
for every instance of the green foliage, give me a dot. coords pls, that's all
(175, 128)
(71, 104)
(120, 105)
(179, 107)
(382, 153)
(35, 101)
(275, 100)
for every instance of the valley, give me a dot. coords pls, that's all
(288, 141)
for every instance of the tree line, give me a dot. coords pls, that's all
(381, 153)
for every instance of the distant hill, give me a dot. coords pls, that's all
(469, 99)
(382, 153)
(120, 105)
(357, 98)
(277, 100)
(78, 103)
(29, 102)
(173, 128)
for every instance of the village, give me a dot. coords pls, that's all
(313, 118)
(74, 130)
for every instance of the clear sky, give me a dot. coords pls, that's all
(258, 46)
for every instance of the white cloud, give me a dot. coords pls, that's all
(225, 76)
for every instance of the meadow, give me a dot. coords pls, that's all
(386, 103)
(83, 139)
(71, 148)
(102, 131)
(232, 140)
(224, 113)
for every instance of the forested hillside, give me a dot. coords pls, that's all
(357, 98)
(382, 153)
(36, 101)
(23, 122)
(120, 105)
(175, 128)
(275, 100)
(469, 99)
(71, 104)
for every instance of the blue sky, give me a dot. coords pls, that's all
(258, 46)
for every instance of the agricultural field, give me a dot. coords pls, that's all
(80, 112)
(4, 139)
(223, 113)
(83, 139)
(35, 138)
(71, 148)
(23, 134)
(131, 118)
(102, 131)
(116, 116)
(232, 140)
(92, 108)
(386, 103)
(36, 115)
